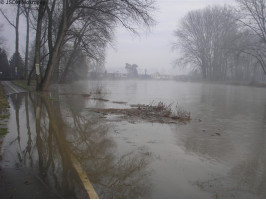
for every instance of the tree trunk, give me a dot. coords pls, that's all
(53, 59)
(30, 74)
(38, 46)
(17, 42)
(27, 45)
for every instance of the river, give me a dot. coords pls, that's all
(220, 153)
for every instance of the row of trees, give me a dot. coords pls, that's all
(225, 43)
(8, 68)
(66, 31)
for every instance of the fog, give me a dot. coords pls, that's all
(133, 99)
(151, 50)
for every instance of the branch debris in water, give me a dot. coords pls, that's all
(160, 112)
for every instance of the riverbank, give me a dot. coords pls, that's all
(237, 83)
(251, 84)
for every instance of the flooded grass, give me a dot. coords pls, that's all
(181, 113)
(86, 95)
(160, 112)
(99, 99)
(99, 90)
(65, 93)
(119, 102)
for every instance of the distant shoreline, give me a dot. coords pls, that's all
(237, 83)
(240, 83)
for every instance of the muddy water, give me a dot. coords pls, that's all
(219, 154)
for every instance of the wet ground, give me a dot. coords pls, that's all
(220, 153)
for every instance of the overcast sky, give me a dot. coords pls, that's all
(151, 50)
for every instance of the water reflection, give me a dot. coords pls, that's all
(231, 133)
(16, 101)
(54, 128)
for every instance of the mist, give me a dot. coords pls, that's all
(133, 99)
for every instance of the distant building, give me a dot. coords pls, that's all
(159, 76)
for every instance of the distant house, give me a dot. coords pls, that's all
(156, 75)
(120, 75)
(159, 76)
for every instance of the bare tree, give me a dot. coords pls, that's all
(89, 41)
(15, 25)
(2, 39)
(41, 11)
(204, 39)
(66, 15)
(26, 9)
(253, 16)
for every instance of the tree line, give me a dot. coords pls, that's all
(224, 43)
(70, 32)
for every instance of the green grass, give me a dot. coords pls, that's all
(3, 131)
(4, 116)
(53, 99)
(4, 105)
(23, 84)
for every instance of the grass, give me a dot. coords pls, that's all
(4, 114)
(23, 84)
(4, 105)
(98, 92)
(3, 131)
(53, 99)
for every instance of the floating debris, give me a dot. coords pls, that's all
(161, 113)
(119, 102)
(86, 95)
(99, 99)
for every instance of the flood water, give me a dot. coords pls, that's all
(220, 153)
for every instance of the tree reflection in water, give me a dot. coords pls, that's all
(55, 129)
